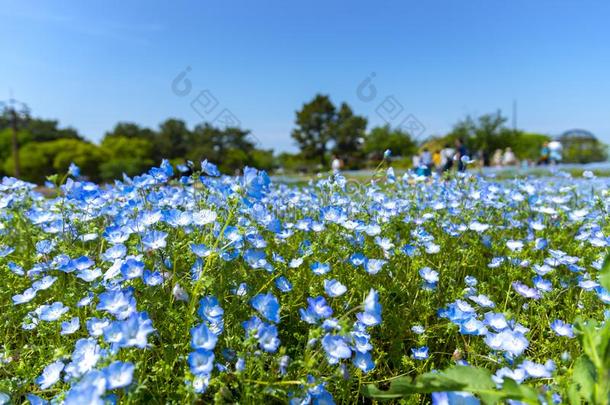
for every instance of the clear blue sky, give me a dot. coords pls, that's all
(91, 64)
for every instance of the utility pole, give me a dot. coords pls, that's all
(13, 115)
(514, 116)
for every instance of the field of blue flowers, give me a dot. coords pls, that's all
(172, 288)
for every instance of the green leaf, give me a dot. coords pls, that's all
(523, 393)
(574, 395)
(472, 377)
(399, 388)
(584, 376)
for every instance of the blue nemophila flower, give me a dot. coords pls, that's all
(154, 240)
(373, 266)
(134, 330)
(210, 310)
(200, 383)
(119, 303)
(430, 276)
(372, 310)
(50, 375)
(283, 284)
(82, 263)
(514, 245)
(96, 326)
(152, 278)
(334, 288)
(6, 250)
(268, 306)
(536, 370)
(265, 333)
(89, 275)
(470, 281)
(44, 247)
(85, 356)
(203, 338)
(336, 348)
(201, 361)
(320, 268)
(483, 300)
(118, 374)
(496, 262)
(205, 217)
(44, 283)
(417, 329)
(357, 259)
(420, 353)
(132, 268)
(241, 290)
(562, 329)
(542, 284)
(517, 375)
(52, 312)
(473, 326)
(71, 326)
(525, 291)
(86, 300)
(364, 361)
(73, 170)
(295, 263)
(496, 320)
(319, 307)
(257, 259)
(511, 342)
(16, 269)
(240, 364)
(200, 249)
(478, 226)
(180, 293)
(27, 296)
(209, 168)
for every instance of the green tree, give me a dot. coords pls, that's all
(171, 141)
(41, 159)
(315, 127)
(385, 137)
(349, 134)
(130, 130)
(129, 155)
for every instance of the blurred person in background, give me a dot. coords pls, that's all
(544, 154)
(460, 152)
(509, 158)
(436, 159)
(555, 150)
(447, 157)
(496, 160)
(336, 164)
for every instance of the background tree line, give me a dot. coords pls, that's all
(321, 130)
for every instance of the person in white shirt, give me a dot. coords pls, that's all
(509, 159)
(336, 164)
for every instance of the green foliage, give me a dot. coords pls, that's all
(583, 150)
(474, 380)
(385, 137)
(41, 159)
(320, 124)
(315, 126)
(349, 135)
(129, 155)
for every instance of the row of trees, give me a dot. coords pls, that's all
(321, 130)
(128, 148)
